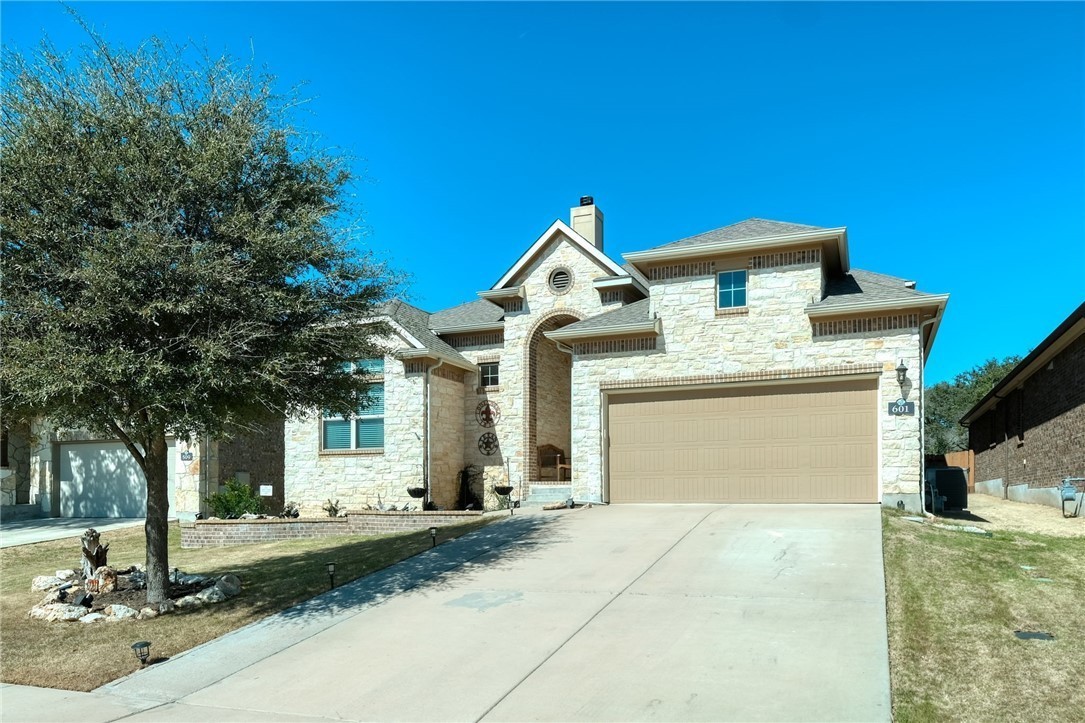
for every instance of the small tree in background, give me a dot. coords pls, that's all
(175, 260)
(946, 403)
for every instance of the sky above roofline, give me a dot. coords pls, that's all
(947, 137)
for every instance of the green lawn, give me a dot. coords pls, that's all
(275, 576)
(954, 600)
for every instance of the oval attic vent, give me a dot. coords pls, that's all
(560, 280)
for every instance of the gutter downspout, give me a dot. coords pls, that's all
(428, 499)
(923, 417)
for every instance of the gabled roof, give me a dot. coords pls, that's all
(866, 286)
(749, 236)
(1066, 333)
(478, 314)
(628, 320)
(751, 228)
(589, 249)
(629, 314)
(416, 323)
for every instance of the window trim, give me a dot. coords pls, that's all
(745, 289)
(495, 381)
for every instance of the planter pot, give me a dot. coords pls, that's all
(416, 492)
(503, 490)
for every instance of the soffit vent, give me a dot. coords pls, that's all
(561, 280)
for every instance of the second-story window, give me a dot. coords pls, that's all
(488, 375)
(732, 289)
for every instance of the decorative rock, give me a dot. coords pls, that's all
(211, 595)
(230, 585)
(45, 582)
(58, 611)
(82, 598)
(147, 613)
(92, 618)
(184, 579)
(120, 612)
(189, 601)
(136, 580)
(166, 606)
(66, 574)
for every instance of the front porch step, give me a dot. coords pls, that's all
(539, 495)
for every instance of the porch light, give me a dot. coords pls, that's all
(433, 536)
(902, 373)
(142, 649)
(331, 575)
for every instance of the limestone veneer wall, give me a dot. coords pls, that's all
(774, 336)
(357, 477)
(446, 428)
(579, 302)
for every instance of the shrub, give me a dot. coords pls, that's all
(235, 499)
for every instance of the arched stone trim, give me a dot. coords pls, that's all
(545, 322)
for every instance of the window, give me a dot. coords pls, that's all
(365, 429)
(732, 289)
(488, 376)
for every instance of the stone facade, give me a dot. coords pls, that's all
(557, 394)
(1036, 434)
(773, 334)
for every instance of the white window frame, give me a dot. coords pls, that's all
(745, 289)
(482, 375)
(377, 379)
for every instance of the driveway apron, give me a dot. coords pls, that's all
(638, 612)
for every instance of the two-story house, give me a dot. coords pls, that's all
(746, 364)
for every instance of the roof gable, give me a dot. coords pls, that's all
(558, 228)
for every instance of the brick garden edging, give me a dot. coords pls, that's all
(227, 533)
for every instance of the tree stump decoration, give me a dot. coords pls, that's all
(94, 553)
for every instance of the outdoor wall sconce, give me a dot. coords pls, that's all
(331, 575)
(142, 649)
(902, 373)
(433, 536)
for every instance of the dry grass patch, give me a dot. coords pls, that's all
(76, 656)
(954, 600)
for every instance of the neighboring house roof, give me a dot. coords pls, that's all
(478, 314)
(751, 228)
(1066, 333)
(626, 320)
(417, 322)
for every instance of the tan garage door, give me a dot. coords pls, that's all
(811, 442)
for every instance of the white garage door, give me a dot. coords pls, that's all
(101, 479)
(814, 442)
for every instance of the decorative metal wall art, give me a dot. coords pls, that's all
(487, 443)
(487, 413)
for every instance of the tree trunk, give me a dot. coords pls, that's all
(157, 525)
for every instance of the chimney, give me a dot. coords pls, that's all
(587, 220)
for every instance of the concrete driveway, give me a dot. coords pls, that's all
(620, 613)
(42, 529)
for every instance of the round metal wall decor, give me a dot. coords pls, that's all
(487, 443)
(487, 413)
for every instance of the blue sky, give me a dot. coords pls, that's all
(948, 138)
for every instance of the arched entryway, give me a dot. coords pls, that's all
(548, 411)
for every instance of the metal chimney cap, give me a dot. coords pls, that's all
(587, 201)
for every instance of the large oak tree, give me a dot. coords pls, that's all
(178, 258)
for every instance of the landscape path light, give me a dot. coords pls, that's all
(142, 650)
(331, 575)
(433, 536)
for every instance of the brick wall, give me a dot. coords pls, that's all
(227, 533)
(261, 454)
(1036, 435)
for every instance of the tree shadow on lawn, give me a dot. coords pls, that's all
(498, 544)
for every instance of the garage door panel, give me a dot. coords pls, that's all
(100, 480)
(803, 443)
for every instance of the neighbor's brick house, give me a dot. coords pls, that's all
(749, 363)
(1028, 432)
